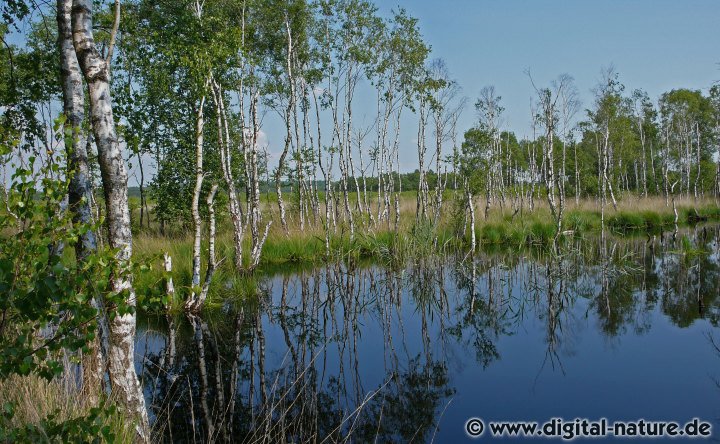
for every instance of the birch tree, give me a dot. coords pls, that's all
(556, 106)
(645, 114)
(489, 112)
(687, 120)
(80, 185)
(446, 109)
(122, 325)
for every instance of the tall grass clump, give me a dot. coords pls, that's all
(381, 245)
(419, 241)
(699, 215)
(582, 221)
(53, 410)
(711, 212)
(653, 221)
(541, 232)
(625, 221)
(492, 234)
(294, 249)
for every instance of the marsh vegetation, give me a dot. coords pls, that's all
(278, 273)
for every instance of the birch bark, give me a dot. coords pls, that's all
(80, 187)
(121, 351)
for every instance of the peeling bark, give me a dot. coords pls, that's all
(234, 206)
(196, 302)
(123, 378)
(80, 186)
(199, 176)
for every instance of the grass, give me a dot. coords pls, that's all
(297, 249)
(653, 221)
(523, 232)
(36, 400)
(634, 216)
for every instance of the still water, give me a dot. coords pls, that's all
(620, 329)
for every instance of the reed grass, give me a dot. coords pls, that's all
(501, 228)
(50, 409)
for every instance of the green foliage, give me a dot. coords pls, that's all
(28, 80)
(474, 158)
(13, 11)
(166, 54)
(93, 427)
(45, 302)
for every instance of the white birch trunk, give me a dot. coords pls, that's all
(255, 215)
(199, 176)
(80, 186)
(195, 303)
(471, 208)
(234, 206)
(123, 378)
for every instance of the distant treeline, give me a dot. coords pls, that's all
(410, 182)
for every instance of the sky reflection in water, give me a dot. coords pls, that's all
(411, 354)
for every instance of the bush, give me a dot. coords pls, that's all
(48, 299)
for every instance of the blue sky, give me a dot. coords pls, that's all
(656, 45)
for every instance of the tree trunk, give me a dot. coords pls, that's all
(326, 221)
(80, 185)
(644, 158)
(652, 168)
(121, 351)
(199, 176)
(143, 201)
(195, 304)
(254, 185)
(169, 286)
(288, 136)
(224, 142)
(606, 166)
(697, 175)
(422, 195)
(471, 209)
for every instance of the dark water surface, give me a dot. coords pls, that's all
(368, 352)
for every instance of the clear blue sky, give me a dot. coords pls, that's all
(656, 45)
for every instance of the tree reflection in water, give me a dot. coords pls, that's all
(367, 353)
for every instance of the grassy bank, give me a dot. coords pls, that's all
(501, 228)
(539, 228)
